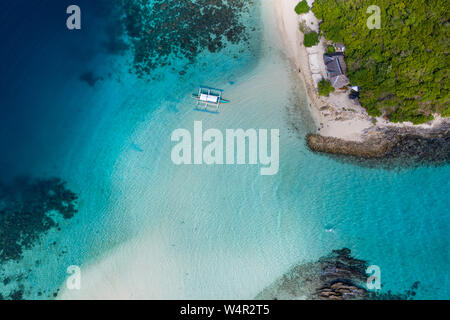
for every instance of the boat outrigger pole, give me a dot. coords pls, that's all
(206, 97)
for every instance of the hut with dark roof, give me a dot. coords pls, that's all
(336, 69)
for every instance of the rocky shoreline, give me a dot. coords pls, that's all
(337, 276)
(412, 144)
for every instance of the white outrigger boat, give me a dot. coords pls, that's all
(206, 97)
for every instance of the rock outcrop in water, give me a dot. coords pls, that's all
(337, 276)
(409, 145)
(342, 276)
(372, 148)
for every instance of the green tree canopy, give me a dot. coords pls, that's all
(302, 7)
(325, 87)
(403, 67)
(311, 39)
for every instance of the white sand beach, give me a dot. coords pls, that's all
(329, 116)
(225, 235)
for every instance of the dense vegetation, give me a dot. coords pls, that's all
(403, 67)
(302, 7)
(325, 87)
(311, 39)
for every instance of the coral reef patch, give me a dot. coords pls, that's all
(29, 208)
(164, 29)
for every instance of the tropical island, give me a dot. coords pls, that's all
(371, 88)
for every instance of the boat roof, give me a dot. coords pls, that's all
(209, 98)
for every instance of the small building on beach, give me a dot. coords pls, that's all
(336, 69)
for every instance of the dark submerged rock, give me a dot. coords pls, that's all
(337, 276)
(90, 78)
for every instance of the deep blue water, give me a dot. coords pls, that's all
(39, 58)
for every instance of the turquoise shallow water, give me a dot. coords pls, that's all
(147, 228)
